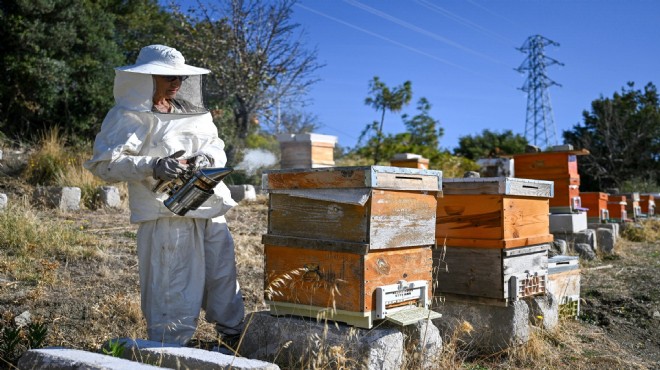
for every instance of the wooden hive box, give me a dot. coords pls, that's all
(339, 280)
(489, 276)
(633, 207)
(616, 206)
(409, 160)
(384, 207)
(306, 150)
(558, 166)
(564, 284)
(647, 203)
(596, 203)
(493, 212)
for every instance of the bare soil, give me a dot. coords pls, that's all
(86, 302)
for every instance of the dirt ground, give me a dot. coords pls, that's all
(86, 302)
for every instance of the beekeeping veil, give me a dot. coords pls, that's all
(134, 86)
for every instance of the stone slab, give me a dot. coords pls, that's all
(296, 342)
(109, 196)
(3, 201)
(486, 328)
(73, 359)
(62, 198)
(178, 357)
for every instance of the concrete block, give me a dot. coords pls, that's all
(0, 155)
(492, 328)
(109, 196)
(615, 227)
(3, 201)
(424, 345)
(296, 342)
(587, 236)
(178, 357)
(73, 359)
(62, 198)
(544, 311)
(243, 192)
(568, 222)
(606, 240)
(584, 251)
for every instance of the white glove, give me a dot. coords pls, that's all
(200, 161)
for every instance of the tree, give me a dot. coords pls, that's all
(256, 55)
(622, 134)
(384, 99)
(58, 58)
(490, 144)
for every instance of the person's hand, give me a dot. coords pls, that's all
(168, 168)
(199, 161)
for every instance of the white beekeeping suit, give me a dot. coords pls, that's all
(186, 263)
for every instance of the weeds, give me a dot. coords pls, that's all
(644, 231)
(16, 339)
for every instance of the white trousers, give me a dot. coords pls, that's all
(187, 264)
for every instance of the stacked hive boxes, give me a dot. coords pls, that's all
(307, 150)
(616, 206)
(647, 203)
(633, 208)
(596, 204)
(492, 239)
(558, 166)
(350, 243)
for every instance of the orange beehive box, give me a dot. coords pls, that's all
(647, 203)
(616, 205)
(596, 203)
(493, 212)
(307, 277)
(558, 166)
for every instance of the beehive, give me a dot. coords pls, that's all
(490, 276)
(558, 166)
(409, 160)
(633, 208)
(596, 203)
(564, 284)
(338, 237)
(494, 212)
(616, 206)
(306, 150)
(647, 203)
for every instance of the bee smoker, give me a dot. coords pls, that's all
(191, 188)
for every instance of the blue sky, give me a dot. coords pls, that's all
(461, 55)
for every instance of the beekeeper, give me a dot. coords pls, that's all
(159, 126)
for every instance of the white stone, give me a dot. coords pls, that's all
(178, 357)
(73, 359)
(3, 201)
(243, 192)
(109, 196)
(544, 311)
(606, 240)
(63, 198)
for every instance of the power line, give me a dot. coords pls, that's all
(539, 111)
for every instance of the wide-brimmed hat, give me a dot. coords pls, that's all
(162, 60)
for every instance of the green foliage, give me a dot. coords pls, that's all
(383, 99)
(115, 348)
(15, 340)
(622, 133)
(490, 144)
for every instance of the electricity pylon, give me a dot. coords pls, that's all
(539, 121)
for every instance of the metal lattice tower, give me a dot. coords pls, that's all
(539, 124)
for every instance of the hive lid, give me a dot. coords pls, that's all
(498, 185)
(377, 177)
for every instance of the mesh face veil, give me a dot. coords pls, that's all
(185, 94)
